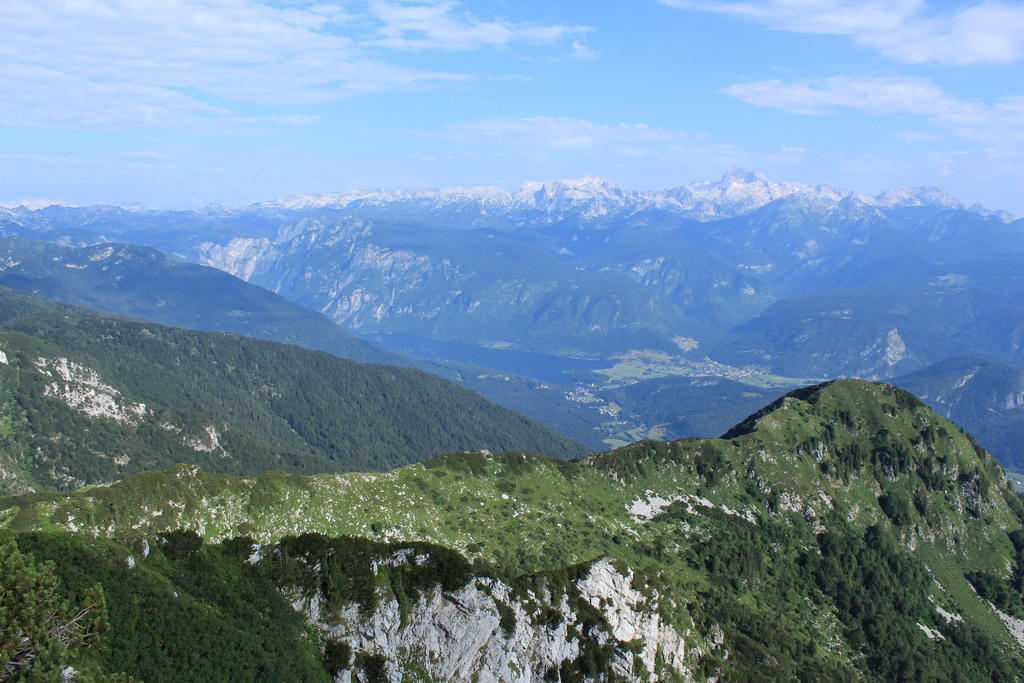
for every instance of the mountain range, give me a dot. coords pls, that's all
(744, 284)
(736, 193)
(552, 299)
(204, 478)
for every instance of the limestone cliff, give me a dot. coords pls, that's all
(491, 631)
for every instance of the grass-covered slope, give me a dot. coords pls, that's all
(88, 398)
(826, 535)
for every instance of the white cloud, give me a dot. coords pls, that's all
(143, 162)
(991, 123)
(33, 203)
(90, 63)
(987, 32)
(540, 137)
(560, 133)
(581, 51)
(876, 95)
(435, 25)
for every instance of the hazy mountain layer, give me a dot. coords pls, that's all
(139, 282)
(808, 284)
(987, 398)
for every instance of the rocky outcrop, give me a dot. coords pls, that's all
(82, 389)
(491, 631)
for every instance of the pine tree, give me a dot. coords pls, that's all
(40, 633)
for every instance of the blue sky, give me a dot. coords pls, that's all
(175, 103)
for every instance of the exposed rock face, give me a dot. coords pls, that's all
(631, 616)
(238, 257)
(82, 389)
(477, 287)
(486, 631)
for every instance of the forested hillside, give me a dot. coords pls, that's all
(136, 281)
(89, 398)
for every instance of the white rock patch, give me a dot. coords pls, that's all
(631, 615)
(1014, 625)
(650, 507)
(653, 505)
(102, 254)
(207, 445)
(81, 388)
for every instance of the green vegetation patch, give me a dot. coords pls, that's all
(818, 537)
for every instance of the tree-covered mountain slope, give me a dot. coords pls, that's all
(986, 397)
(86, 398)
(140, 282)
(846, 531)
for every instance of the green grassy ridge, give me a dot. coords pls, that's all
(275, 406)
(799, 455)
(739, 539)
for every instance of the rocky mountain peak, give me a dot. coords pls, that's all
(737, 192)
(918, 196)
(737, 175)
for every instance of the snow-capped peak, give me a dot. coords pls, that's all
(737, 192)
(918, 196)
(595, 196)
(35, 204)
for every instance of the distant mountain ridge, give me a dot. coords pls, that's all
(738, 192)
(746, 288)
(985, 397)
